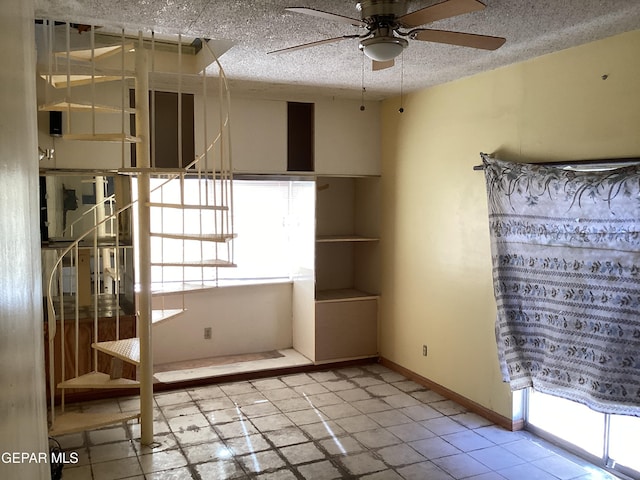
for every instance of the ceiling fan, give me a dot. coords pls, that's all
(387, 26)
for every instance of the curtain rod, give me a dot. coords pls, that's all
(570, 163)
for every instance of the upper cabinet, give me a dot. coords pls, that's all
(342, 138)
(258, 135)
(347, 139)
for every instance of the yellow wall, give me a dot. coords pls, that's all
(437, 287)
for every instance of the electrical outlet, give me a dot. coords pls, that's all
(424, 350)
(207, 333)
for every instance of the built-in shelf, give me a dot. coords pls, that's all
(346, 268)
(343, 295)
(344, 238)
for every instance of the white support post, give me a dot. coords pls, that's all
(144, 247)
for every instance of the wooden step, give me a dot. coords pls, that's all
(161, 289)
(74, 422)
(61, 80)
(99, 53)
(64, 106)
(188, 207)
(98, 380)
(158, 316)
(204, 237)
(101, 137)
(127, 350)
(196, 263)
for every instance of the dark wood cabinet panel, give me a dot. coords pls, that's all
(300, 137)
(106, 332)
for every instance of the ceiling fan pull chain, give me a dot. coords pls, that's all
(401, 109)
(362, 86)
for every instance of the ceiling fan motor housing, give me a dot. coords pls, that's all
(372, 11)
(383, 48)
(380, 16)
(388, 25)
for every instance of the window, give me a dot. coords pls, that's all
(268, 215)
(608, 440)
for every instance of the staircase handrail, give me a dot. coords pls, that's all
(51, 311)
(111, 198)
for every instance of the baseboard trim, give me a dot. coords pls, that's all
(470, 405)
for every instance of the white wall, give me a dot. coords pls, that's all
(23, 413)
(243, 319)
(437, 284)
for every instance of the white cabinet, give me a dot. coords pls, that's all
(259, 136)
(347, 267)
(347, 139)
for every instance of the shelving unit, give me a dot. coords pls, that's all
(346, 267)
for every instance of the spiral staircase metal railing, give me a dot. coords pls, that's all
(109, 255)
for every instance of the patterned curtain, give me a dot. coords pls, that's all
(566, 271)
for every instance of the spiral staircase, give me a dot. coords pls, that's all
(183, 233)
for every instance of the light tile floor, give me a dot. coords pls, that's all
(356, 423)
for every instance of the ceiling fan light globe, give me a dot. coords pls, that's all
(383, 49)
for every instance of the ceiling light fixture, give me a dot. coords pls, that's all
(383, 48)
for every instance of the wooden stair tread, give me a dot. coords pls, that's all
(75, 80)
(99, 53)
(65, 106)
(188, 207)
(158, 316)
(102, 137)
(196, 263)
(98, 380)
(162, 289)
(205, 237)
(127, 350)
(74, 422)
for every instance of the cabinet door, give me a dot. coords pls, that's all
(347, 139)
(346, 329)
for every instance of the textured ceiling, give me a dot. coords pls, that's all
(253, 28)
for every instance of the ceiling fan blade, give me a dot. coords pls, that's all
(313, 44)
(328, 16)
(472, 40)
(375, 66)
(440, 11)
